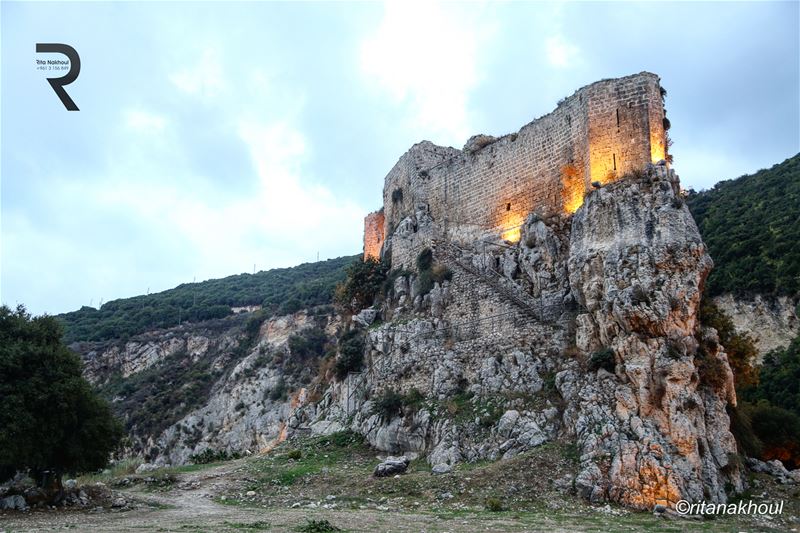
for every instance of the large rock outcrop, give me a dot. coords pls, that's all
(651, 432)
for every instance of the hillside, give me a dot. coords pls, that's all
(751, 225)
(283, 290)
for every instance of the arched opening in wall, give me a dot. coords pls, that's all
(508, 206)
(614, 161)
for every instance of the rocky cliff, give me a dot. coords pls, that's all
(584, 331)
(771, 321)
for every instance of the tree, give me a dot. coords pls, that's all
(51, 420)
(364, 282)
(741, 350)
(779, 379)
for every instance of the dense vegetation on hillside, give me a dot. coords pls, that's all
(752, 228)
(283, 290)
(772, 405)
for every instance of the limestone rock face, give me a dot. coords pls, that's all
(652, 432)
(772, 323)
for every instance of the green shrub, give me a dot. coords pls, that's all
(365, 280)
(777, 429)
(388, 405)
(340, 439)
(711, 370)
(603, 359)
(351, 354)
(318, 526)
(441, 273)
(213, 456)
(742, 430)
(52, 420)
(425, 259)
(779, 379)
(494, 505)
(413, 398)
(425, 282)
(290, 306)
(740, 348)
(294, 454)
(308, 343)
(279, 391)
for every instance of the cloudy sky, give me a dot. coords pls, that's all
(212, 138)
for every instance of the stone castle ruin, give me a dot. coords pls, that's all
(598, 134)
(562, 250)
(544, 288)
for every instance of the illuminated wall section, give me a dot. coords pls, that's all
(626, 128)
(373, 235)
(599, 133)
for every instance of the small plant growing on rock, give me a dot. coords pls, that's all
(603, 359)
(711, 370)
(494, 505)
(441, 273)
(425, 259)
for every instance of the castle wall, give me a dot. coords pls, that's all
(373, 235)
(601, 132)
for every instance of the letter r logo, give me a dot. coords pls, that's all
(74, 69)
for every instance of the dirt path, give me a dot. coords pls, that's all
(189, 506)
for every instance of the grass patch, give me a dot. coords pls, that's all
(249, 526)
(318, 526)
(305, 459)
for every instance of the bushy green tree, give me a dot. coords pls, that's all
(51, 420)
(779, 379)
(365, 280)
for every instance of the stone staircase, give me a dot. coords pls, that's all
(453, 254)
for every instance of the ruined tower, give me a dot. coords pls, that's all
(598, 134)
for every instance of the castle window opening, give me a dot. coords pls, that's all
(508, 206)
(614, 157)
(618, 117)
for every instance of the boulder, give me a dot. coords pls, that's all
(365, 317)
(146, 467)
(14, 503)
(119, 503)
(441, 468)
(392, 466)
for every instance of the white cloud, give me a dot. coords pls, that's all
(203, 78)
(426, 56)
(144, 121)
(560, 53)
